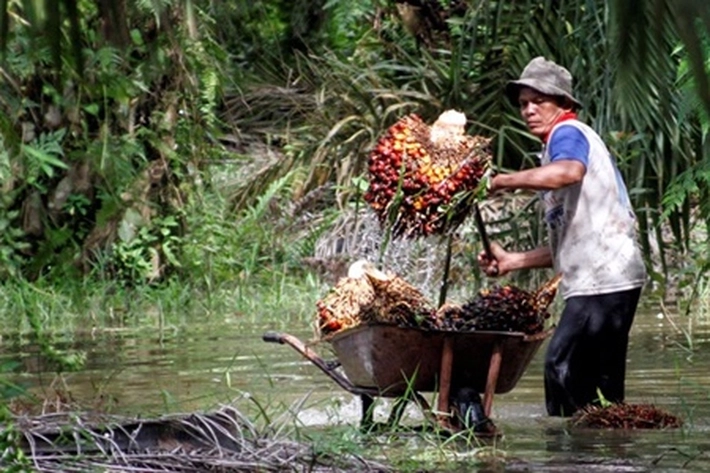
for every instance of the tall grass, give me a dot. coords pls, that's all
(268, 297)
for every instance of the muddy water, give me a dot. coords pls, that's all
(198, 367)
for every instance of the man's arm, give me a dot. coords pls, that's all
(538, 258)
(504, 262)
(551, 176)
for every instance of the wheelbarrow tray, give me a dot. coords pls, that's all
(394, 360)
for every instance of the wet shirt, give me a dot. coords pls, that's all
(591, 224)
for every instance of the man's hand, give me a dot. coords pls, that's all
(498, 264)
(492, 184)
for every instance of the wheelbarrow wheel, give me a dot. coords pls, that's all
(468, 412)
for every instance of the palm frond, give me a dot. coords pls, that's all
(641, 26)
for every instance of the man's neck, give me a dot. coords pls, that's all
(568, 115)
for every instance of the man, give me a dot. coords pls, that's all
(592, 242)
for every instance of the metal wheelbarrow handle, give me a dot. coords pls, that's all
(273, 337)
(326, 367)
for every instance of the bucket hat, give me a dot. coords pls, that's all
(544, 76)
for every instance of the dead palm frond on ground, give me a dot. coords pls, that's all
(224, 440)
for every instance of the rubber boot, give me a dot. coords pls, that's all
(468, 408)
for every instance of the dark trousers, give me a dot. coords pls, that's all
(588, 351)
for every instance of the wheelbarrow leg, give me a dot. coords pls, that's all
(367, 419)
(447, 361)
(492, 380)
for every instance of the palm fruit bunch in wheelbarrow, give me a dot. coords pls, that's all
(422, 179)
(370, 295)
(502, 308)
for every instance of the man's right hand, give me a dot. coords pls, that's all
(492, 266)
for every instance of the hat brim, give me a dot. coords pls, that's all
(512, 90)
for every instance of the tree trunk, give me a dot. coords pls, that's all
(114, 23)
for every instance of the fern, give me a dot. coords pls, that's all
(210, 95)
(43, 157)
(693, 182)
(259, 211)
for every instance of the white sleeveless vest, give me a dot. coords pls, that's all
(592, 227)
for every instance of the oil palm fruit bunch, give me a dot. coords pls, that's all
(343, 306)
(421, 178)
(625, 416)
(398, 303)
(368, 295)
(506, 309)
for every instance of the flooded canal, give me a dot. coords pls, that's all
(202, 365)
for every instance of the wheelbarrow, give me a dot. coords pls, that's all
(378, 360)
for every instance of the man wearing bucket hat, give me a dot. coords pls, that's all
(592, 242)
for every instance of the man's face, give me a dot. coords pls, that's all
(539, 111)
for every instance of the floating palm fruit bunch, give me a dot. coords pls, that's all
(625, 416)
(504, 308)
(368, 295)
(421, 176)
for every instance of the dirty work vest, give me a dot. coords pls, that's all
(591, 225)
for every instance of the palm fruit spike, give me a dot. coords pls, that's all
(448, 126)
(362, 268)
(546, 293)
(398, 302)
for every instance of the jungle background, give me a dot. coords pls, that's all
(194, 153)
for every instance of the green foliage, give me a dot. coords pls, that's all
(43, 158)
(660, 67)
(346, 25)
(316, 83)
(603, 401)
(136, 256)
(8, 389)
(264, 35)
(12, 243)
(693, 183)
(221, 246)
(90, 151)
(13, 459)
(36, 313)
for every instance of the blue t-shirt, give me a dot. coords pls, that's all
(568, 142)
